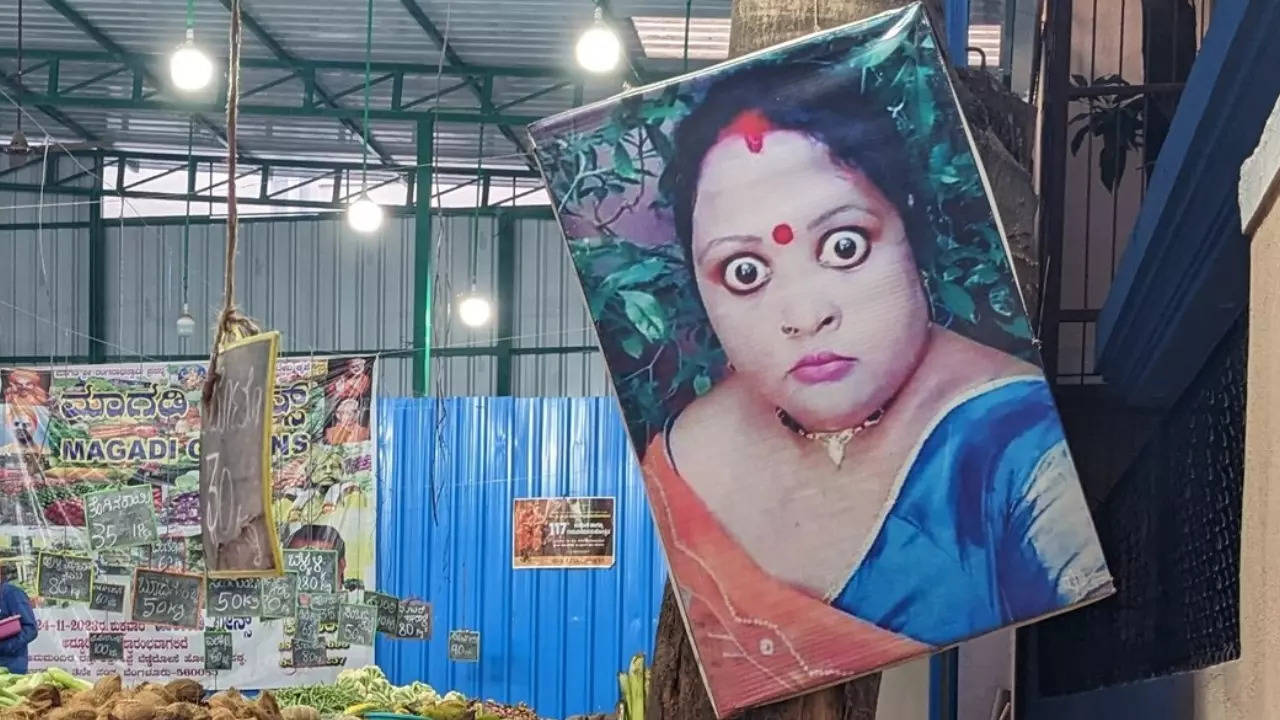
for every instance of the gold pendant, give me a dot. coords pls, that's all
(835, 444)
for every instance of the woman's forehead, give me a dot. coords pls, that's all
(791, 180)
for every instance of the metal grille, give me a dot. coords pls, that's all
(1114, 71)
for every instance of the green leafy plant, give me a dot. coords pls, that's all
(1114, 119)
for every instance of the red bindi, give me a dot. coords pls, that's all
(751, 125)
(782, 234)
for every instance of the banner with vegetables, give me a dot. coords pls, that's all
(82, 447)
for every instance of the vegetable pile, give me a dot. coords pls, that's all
(56, 695)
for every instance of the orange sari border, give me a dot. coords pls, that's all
(757, 639)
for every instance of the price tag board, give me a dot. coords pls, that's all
(464, 646)
(108, 597)
(168, 554)
(65, 577)
(233, 597)
(106, 646)
(357, 624)
(324, 605)
(167, 598)
(120, 518)
(236, 522)
(279, 596)
(306, 628)
(317, 569)
(388, 611)
(414, 620)
(217, 650)
(305, 657)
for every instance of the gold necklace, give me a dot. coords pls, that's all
(833, 442)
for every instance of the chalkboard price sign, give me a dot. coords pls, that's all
(236, 522)
(464, 646)
(168, 554)
(217, 650)
(317, 569)
(324, 605)
(65, 577)
(106, 646)
(306, 628)
(305, 657)
(108, 597)
(414, 620)
(357, 624)
(233, 597)
(388, 611)
(166, 598)
(279, 596)
(120, 518)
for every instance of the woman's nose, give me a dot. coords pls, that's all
(818, 322)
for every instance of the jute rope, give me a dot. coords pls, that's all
(231, 324)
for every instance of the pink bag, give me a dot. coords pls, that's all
(10, 626)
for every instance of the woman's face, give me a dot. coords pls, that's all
(808, 278)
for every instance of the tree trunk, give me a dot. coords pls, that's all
(1001, 124)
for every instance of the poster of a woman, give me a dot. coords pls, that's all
(808, 310)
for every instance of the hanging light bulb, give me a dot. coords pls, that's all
(189, 67)
(599, 49)
(364, 215)
(186, 323)
(474, 310)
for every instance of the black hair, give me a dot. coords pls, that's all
(825, 103)
(319, 534)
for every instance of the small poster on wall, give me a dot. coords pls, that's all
(809, 313)
(563, 533)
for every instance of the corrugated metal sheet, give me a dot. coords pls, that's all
(323, 288)
(552, 638)
(38, 318)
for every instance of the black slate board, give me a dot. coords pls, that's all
(236, 525)
(357, 624)
(65, 577)
(317, 569)
(464, 646)
(279, 596)
(325, 605)
(217, 650)
(166, 598)
(388, 611)
(108, 597)
(120, 518)
(414, 620)
(304, 657)
(233, 597)
(106, 646)
(306, 628)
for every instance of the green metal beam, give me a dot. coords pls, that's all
(482, 90)
(533, 212)
(111, 46)
(301, 111)
(140, 61)
(58, 116)
(506, 303)
(302, 163)
(272, 44)
(422, 260)
(97, 325)
(453, 351)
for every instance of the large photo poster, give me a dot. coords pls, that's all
(808, 310)
(102, 462)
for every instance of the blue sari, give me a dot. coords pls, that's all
(987, 526)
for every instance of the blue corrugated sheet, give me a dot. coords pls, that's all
(555, 639)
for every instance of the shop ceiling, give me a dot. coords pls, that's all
(474, 72)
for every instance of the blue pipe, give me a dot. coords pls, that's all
(957, 27)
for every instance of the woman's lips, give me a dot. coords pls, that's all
(822, 367)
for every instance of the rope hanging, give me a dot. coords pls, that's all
(231, 324)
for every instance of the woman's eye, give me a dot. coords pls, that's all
(843, 248)
(745, 273)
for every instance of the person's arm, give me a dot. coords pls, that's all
(17, 601)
